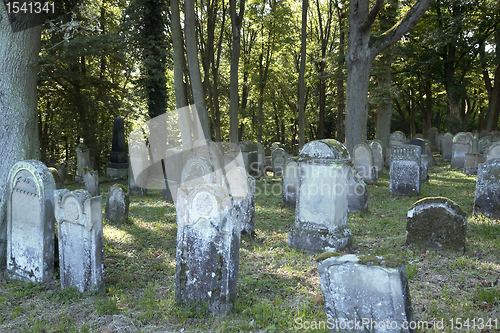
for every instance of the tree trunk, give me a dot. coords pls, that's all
(340, 128)
(194, 68)
(454, 122)
(384, 110)
(19, 47)
(302, 70)
(180, 87)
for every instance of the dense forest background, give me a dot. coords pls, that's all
(104, 58)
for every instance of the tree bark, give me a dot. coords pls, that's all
(384, 110)
(340, 128)
(19, 47)
(194, 68)
(302, 70)
(362, 50)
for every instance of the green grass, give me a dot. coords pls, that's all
(277, 286)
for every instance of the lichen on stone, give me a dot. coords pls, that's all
(366, 259)
(326, 255)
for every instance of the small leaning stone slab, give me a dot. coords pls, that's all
(80, 238)
(117, 204)
(365, 293)
(437, 223)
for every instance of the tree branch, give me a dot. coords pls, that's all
(395, 33)
(377, 7)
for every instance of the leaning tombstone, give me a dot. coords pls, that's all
(57, 178)
(365, 293)
(290, 182)
(278, 160)
(436, 223)
(472, 161)
(363, 162)
(30, 222)
(91, 180)
(118, 160)
(462, 144)
(207, 256)
(432, 134)
(446, 146)
(138, 168)
(82, 161)
(117, 204)
(378, 155)
(430, 158)
(321, 208)
(79, 230)
(405, 170)
(492, 151)
(357, 194)
(487, 197)
(242, 187)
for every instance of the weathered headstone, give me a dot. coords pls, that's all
(447, 146)
(290, 182)
(363, 162)
(57, 178)
(250, 152)
(418, 136)
(365, 293)
(261, 153)
(321, 209)
(357, 194)
(397, 138)
(462, 144)
(242, 187)
(197, 171)
(432, 134)
(495, 136)
(405, 170)
(138, 168)
(207, 256)
(492, 151)
(487, 197)
(378, 155)
(472, 161)
(91, 180)
(279, 159)
(439, 137)
(117, 204)
(174, 163)
(424, 161)
(484, 133)
(82, 161)
(63, 173)
(79, 230)
(430, 158)
(482, 144)
(436, 223)
(30, 222)
(118, 161)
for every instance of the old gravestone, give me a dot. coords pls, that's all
(363, 162)
(487, 197)
(432, 134)
(492, 151)
(439, 137)
(118, 160)
(321, 209)
(428, 152)
(446, 146)
(242, 187)
(117, 204)
(261, 154)
(418, 136)
(174, 162)
(482, 144)
(82, 161)
(424, 161)
(462, 144)
(365, 293)
(91, 180)
(57, 178)
(63, 173)
(138, 168)
(357, 194)
(397, 138)
(79, 229)
(278, 161)
(250, 153)
(472, 161)
(436, 223)
(378, 155)
(290, 182)
(207, 255)
(405, 170)
(198, 171)
(30, 222)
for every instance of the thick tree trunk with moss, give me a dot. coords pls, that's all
(19, 47)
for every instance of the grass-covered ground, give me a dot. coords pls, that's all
(277, 286)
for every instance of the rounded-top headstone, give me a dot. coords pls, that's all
(325, 149)
(436, 223)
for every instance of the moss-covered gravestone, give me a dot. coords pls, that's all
(487, 198)
(365, 293)
(208, 242)
(242, 187)
(117, 204)
(321, 212)
(436, 223)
